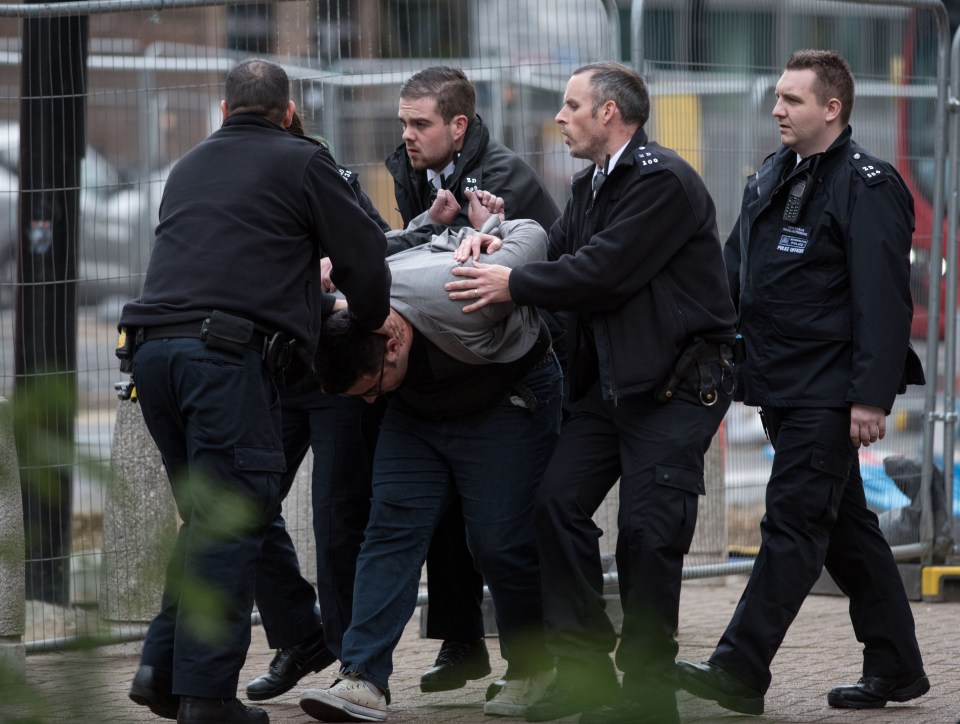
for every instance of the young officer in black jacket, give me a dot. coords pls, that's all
(819, 264)
(637, 266)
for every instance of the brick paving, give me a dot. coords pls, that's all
(820, 651)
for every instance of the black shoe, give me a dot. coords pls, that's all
(456, 662)
(153, 688)
(709, 681)
(200, 710)
(575, 692)
(873, 692)
(289, 666)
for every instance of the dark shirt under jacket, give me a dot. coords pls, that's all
(440, 387)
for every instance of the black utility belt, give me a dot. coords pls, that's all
(700, 355)
(201, 331)
(229, 333)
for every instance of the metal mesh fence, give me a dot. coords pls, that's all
(151, 91)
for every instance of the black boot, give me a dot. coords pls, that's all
(200, 710)
(153, 688)
(456, 662)
(289, 666)
(873, 692)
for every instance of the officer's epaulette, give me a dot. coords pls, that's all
(871, 169)
(344, 171)
(647, 159)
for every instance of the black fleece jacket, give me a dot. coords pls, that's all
(244, 219)
(483, 163)
(641, 265)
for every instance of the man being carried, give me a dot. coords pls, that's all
(474, 412)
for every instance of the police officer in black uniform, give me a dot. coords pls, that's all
(819, 264)
(231, 292)
(636, 264)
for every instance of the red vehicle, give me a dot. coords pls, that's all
(915, 153)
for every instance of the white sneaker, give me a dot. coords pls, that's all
(517, 695)
(349, 699)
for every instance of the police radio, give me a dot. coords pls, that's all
(795, 198)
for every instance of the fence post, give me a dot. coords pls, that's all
(709, 544)
(139, 523)
(298, 514)
(12, 586)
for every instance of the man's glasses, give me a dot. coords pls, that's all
(377, 389)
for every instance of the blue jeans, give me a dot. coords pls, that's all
(215, 417)
(496, 466)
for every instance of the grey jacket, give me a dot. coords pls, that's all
(499, 333)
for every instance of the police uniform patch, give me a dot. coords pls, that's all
(869, 169)
(647, 160)
(793, 240)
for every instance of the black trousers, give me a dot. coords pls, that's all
(817, 516)
(342, 434)
(215, 417)
(454, 587)
(657, 452)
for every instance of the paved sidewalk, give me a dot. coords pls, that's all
(820, 651)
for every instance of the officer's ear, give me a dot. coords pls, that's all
(832, 110)
(460, 123)
(607, 111)
(223, 112)
(288, 116)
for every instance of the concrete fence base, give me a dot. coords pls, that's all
(139, 523)
(12, 586)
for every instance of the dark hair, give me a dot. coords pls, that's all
(258, 86)
(296, 128)
(454, 93)
(834, 77)
(611, 81)
(346, 352)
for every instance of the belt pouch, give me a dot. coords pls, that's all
(226, 332)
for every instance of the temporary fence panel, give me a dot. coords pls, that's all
(151, 87)
(153, 84)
